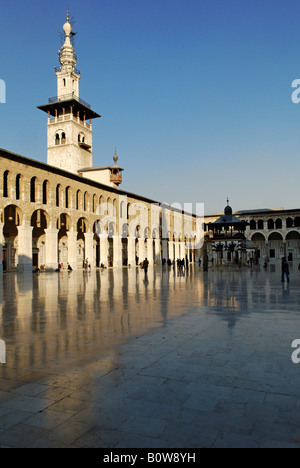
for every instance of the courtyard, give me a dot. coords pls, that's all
(114, 359)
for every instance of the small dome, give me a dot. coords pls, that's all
(228, 211)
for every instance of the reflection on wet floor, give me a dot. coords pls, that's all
(175, 359)
(49, 318)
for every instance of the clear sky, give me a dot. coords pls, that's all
(195, 94)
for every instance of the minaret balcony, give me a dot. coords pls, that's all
(116, 178)
(67, 97)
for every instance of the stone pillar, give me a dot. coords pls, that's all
(284, 249)
(177, 253)
(72, 249)
(157, 251)
(165, 249)
(171, 250)
(89, 248)
(51, 248)
(104, 249)
(25, 249)
(141, 250)
(131, 252)
(117, 260)
(150, 252)
(1, 247)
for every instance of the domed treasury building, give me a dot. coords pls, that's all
(67, 211)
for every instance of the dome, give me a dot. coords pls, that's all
(228, 211)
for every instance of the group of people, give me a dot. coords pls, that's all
(61, 267)
(87, 265)
(181, 263)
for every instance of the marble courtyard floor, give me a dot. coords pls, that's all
(109, 359)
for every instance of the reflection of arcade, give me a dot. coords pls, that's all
(52, 319)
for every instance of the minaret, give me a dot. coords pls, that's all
(69, 129)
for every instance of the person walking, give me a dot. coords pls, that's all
(145, 266)
(285, 270)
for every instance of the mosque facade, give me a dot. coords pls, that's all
(68, 211)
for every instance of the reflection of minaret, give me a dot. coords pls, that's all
(69, 133)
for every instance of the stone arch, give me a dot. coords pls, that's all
(33, 190)
(45, 192)
(260, 224)
(86, 201)
(58, 196)
(95, 203)
(19, 187)
(258, 237)
(275, 236)
(79, 200)
(122, 209)
(6, 184)
(68, 197)
(293, 235)
(82, 226)
(297, 222)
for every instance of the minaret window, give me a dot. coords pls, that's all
(57, 139)
(63, 138)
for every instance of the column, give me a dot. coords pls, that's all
(25, 249)
(117, 260)
(51, 248)
(157, 251)
(104, 249)
(72, 249)
(141, 250)
(177, 253)
(1, 247)
(171, 250)
(150, 252)
(165, 249)
(89, 248)
(284, 249)
(131, 252)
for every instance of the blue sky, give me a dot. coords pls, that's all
(195, 94)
